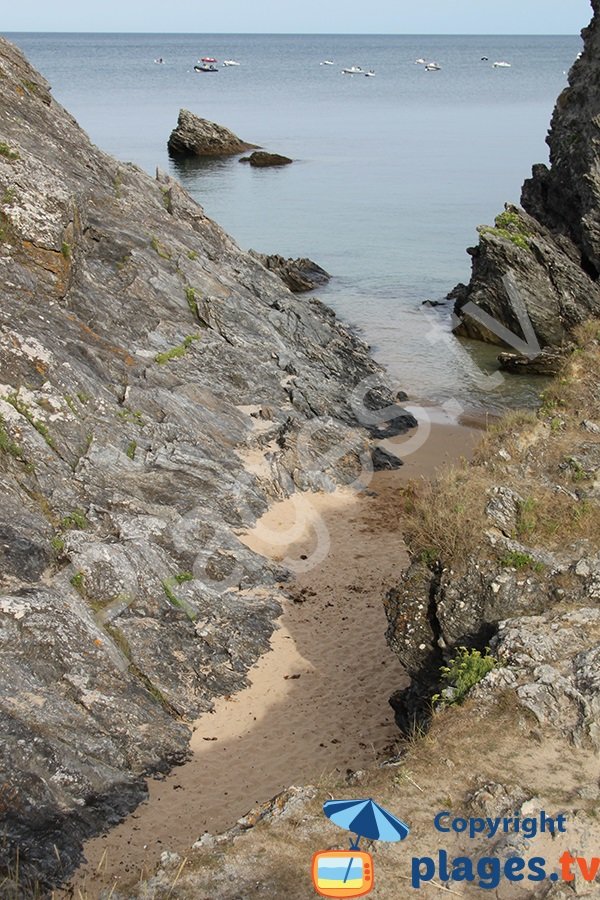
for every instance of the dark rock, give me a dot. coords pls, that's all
(382, 460)
(552, 246)
(299, 274)
(262, 160)
(194, 136)
(434, 303)
(548, 362)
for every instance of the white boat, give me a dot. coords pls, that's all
(420, 62)
(353, 70)
(160, 61)
(433, 67)
(328, 62)
(370, 74)
(502, 65)
(230, 62)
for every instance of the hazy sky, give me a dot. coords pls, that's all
(300, 16)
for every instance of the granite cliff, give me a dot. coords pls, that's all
(143, 355)
(551, 244)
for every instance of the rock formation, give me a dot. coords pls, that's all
(506, 550)
(194, 136)
(298, 274)
(552, 245)
(138, 348)
(260, 159)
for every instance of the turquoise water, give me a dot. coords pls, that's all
(392, 173)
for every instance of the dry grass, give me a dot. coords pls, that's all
(445, 517)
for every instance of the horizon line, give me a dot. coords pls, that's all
(313, 33)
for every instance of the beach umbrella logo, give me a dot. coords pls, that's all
(339, 873)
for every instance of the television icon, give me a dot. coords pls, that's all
(342, 873)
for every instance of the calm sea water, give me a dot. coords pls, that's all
(392, 173)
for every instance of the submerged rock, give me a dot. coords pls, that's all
(262, 160)
(300, 275)
(552, 245)
(194, 136)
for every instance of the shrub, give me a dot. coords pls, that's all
(462, 673)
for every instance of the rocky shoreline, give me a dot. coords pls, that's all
(550, 246)
(142, 354)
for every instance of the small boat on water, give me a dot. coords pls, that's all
(230, 62)
(420, 62)
(206, 64)
(353, 70)
(502, 65)
(328, 62)
(433, 67)
(160, 61)
(370, 74)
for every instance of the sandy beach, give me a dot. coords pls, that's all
(317, 702)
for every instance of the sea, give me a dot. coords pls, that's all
(391, 176)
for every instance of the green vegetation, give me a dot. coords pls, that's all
(183, 577)
(511, 227)
(7, 152)
(131, 448)
(41, 428)
(172, 597)
(167, 199)
(160, 249)
(130, 415)
(75, 521)
(5, 227)
(66, 250)
(192, 255)
(58, 545)
(30, 86)
(78, 582)
(83, 397)
(7, 445)
(176, 352)
(462, 673)
(123, 261)
(192, 301)
(71, 404)
(526, 516)
(516, 559)
(9, 196)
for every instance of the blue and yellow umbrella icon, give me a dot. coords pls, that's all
(366, 819)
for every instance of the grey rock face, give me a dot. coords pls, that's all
(194, 136)
(142, 356)
(552, 245)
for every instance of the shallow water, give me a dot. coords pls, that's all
(392, 173)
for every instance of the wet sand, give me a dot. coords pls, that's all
(317, 702)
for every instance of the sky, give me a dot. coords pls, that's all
(302, 16)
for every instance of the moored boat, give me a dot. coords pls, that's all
(206, 64)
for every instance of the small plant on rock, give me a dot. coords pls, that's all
(462, 673)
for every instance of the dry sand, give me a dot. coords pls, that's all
(317, 702)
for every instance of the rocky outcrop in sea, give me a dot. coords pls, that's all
(299, 275)
(143, 355)
(550, 246)
(194, 136)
